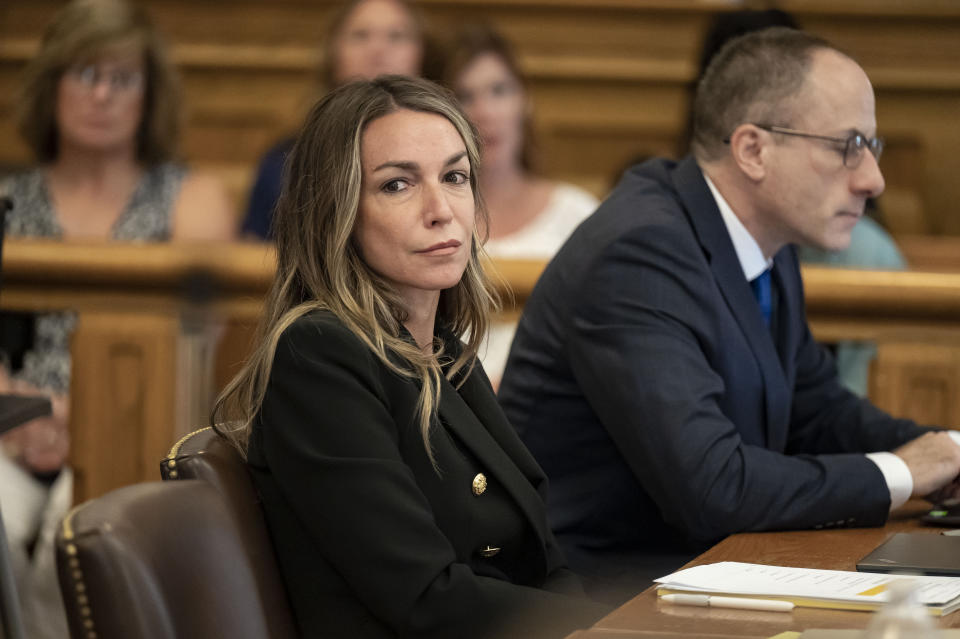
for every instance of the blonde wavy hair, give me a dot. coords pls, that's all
(319, 266)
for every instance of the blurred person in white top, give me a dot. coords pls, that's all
(530, 216)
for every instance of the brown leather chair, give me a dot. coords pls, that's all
(206, 456)
(159, 560)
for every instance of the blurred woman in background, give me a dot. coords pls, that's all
(530, 216)
(100, 110)
(400, 501)
(366, 38)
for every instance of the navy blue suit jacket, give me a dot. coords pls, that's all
(663, 410)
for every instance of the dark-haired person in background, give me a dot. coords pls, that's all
(663, 373)
(530, 216)
(366, 38)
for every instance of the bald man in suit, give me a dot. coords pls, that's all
(663, 373)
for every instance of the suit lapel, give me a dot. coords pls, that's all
(712, 233)
(479, 396)
(482, 427)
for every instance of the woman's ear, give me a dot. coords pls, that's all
(749, 148)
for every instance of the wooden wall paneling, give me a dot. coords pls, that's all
(893, 8)
(913, 319)
(929, 119)
(123, 398)
(588, 137)
(931, 253)
(237, 114)
(920, 379)
(901, 207)
(13, 152)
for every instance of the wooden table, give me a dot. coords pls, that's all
(645, 616)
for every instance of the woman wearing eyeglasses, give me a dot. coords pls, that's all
(100, 112)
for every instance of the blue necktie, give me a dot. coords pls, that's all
(761, 290)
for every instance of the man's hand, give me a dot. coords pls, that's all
(934, 462)
(41, 445)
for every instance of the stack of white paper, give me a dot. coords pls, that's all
(809, 587)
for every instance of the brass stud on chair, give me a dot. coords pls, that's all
(73, 561)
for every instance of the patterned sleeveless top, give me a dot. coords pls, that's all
(147, 217)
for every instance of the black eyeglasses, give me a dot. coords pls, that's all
(853, 146)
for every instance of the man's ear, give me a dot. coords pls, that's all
(749, 147)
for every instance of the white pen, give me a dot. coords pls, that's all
(742, 603)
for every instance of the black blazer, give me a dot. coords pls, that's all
(663, 410)
(373, 541)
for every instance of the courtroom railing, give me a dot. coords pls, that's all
(150, 317)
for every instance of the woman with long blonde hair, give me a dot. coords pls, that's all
(399, 498)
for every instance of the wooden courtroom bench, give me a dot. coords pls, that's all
(931, 252)
(610, 80)
(150, 317)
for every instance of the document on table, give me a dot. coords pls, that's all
(808, 587)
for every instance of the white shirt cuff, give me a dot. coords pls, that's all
(955, 435)
(897, 475)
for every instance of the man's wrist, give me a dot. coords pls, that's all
(897, 475)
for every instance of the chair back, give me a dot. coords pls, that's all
(204, 455)
(159, 560)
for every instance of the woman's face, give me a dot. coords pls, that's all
(100, 102)
(416, 216)
(495, 102)
(377, 38)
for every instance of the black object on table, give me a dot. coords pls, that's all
(921, 553)
(943, 515)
